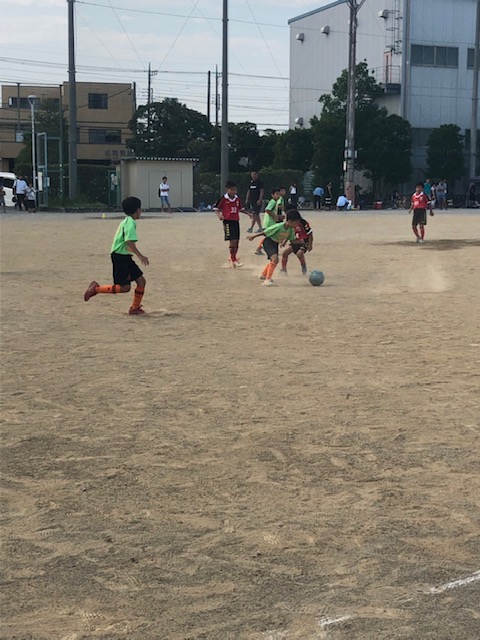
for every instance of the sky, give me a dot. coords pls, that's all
(116, 39)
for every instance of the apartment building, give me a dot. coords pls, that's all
(103, 113)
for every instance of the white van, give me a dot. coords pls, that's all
(8, 179)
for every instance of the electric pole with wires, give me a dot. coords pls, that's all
(224, 130)
(350, 153)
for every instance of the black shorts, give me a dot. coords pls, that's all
(255, 208)
(300, 245)
(419, 217)
(231, 229)
(270, 247)
(124, 269)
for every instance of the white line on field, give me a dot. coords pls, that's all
(327, 622)
(455, 583)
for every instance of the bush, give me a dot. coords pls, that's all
(93, 182)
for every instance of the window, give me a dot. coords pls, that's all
(420, 137)
(98, 100)
(104, 136)
(425, 56)
(470, 58)
(24, 103)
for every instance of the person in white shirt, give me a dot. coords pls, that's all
(30, 199)
(343, 203)
(164, 193)
(19, 189)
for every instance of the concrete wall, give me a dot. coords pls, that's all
(142, 178)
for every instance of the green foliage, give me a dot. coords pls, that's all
(166, 129)
(207, 185)
(93, 183)
(445, 153)
(294, 148)
(383, 142)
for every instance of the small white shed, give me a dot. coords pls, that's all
(141, 177)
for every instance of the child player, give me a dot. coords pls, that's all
(302, 243)
(419, 205)
(228, 210)
(270, 215)
(278, 233)
(124, 268)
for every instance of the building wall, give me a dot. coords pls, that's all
(316, 63)
(142, 179)
(102, 133)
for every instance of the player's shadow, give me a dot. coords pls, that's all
(439, 245)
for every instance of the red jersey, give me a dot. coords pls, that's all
(230, 207)
(302, 230)
(419, 201)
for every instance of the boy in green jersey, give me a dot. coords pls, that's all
(269, 216)
(278, 233)
(124, 268)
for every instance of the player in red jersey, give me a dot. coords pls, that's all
(300, 246)
(228, 210)
(419, 205)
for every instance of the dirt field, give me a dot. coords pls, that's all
(243, 463)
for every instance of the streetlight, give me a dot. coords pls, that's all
(31, 100)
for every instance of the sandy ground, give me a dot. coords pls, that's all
(243, 463)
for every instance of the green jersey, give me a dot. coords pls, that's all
(279, 233)
(270, 209)
(126, 232)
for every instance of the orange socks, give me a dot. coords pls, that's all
(271, 266)
(137, 297)
(264, 272)
(108, 288)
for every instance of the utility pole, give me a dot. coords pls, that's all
(72, 105)
(217, 105)
(474, 120)
(60, 143)
(350, 153)
(149, 99)
(224, 132)
(209, 94)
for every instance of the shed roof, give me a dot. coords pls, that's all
(162, 159)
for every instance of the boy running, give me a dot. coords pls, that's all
(228, 210)
(124, 268)
(277, 233)
(419, 205)
(270, 216)
(303, 242)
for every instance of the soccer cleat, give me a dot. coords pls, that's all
(304, 269)
(421, 241)
(249, 230)
(136, 312)
(283, 272)
(259, 252)
(237, 264)
(269, 283)
(90, 292)
(418, 240)
(261, 277)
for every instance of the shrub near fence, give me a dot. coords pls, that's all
(206, 186)
(93, 182)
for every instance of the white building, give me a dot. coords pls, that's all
(420, 51)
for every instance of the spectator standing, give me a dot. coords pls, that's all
(318, 194)
(164, 193)
(427, 188)
(2, 199)
(19, 188)
(328, 195)
(442, 194)
(30, 199)
(254, 200)
(293, 199)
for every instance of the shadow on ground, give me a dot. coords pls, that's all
(439, 245)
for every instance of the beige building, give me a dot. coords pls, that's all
(103, 113)
(141, 177)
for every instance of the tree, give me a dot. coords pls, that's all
(265, 153)
(384, 148)
(383, 142)
(244, 143)
(167, 128)
(294, 150)
(445, 153)
(47, 120)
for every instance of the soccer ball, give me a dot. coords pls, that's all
(316, 278)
